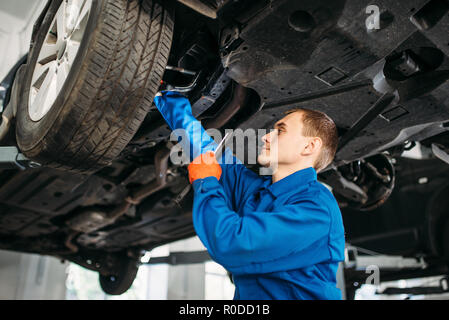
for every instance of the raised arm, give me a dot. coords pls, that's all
(177, 112)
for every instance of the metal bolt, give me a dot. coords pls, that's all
(33, 164)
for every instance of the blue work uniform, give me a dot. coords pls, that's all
(281, 240)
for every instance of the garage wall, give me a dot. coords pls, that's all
(31, 277)
(16, 23)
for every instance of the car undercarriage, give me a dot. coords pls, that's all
(95, 184)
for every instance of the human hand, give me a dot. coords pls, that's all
(203, 166)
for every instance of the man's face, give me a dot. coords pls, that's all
(284, 145)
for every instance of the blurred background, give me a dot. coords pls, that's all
(34, 277)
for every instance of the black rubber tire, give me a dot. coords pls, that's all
(109, 89)
(120, 283)
(445, 238)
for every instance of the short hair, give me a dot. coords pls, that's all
(319, 124)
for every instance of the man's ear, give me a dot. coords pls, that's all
(314, 144)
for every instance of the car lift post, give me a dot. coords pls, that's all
(389, 263)
(181, 257)
(11, 158)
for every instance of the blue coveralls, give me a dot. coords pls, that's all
(280, 240)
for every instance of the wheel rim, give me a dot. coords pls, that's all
(57, 55)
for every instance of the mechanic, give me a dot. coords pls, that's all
(280, 236)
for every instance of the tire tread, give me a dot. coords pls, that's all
(123, 69)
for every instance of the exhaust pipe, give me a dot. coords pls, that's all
(200, 7)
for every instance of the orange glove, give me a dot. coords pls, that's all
(204, 166)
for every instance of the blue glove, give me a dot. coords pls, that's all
(177, 112)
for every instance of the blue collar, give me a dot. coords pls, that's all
(292, 182)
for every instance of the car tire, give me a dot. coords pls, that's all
(445, 238)
(108, 89)
(121, 282)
